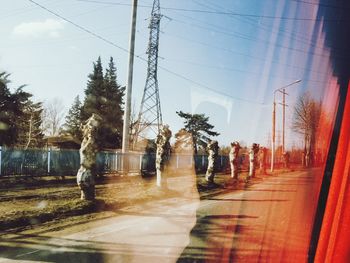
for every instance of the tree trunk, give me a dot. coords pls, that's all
(195, 147)
(88, 193)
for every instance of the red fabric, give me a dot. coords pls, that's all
(334, 242)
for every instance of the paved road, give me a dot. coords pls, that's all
(268, 221)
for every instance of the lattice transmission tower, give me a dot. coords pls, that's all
(150, 116)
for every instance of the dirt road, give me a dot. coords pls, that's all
(269, 221)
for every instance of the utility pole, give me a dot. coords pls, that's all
(273, 134)
(283, 91)
(126, 125)
(283, 118)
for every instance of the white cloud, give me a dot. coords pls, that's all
(47, 28)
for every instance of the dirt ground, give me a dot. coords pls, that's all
(36, 200)
(31, 201)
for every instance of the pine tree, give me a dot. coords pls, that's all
(73, 122)
(94, 92)
(114, 112)
(199, 127)
(103, 96)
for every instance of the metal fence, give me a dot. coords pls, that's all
(40, 162)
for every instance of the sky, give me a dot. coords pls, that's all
(222, 58)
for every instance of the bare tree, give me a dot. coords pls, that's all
(53, 116)
(133, 126)
(34, 133)
(307, 114)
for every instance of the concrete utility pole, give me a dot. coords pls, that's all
(283, 117)
(126, 125)
(283, 91)
(273, 133)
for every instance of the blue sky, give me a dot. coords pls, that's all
(229, 63)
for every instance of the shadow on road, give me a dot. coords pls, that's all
(248, 200)
(207, 235)
(65, 250)
(50, 256)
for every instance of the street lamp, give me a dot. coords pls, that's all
(283, 91)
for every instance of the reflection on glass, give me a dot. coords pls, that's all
(262, 78)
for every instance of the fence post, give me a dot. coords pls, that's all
(0, 158)
(221, 161)
(116, 162)
(123, 163)
(48, 160)
(177, 161)
(140, 161)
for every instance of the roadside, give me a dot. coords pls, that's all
(41, 200)
(179, 227)
(28, 202)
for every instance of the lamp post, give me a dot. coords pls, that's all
(283, 91)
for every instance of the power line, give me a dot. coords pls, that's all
(260, 40)
(78, 26)
(263, 26)
(245, 55)
(320, 4)
(140, 58)
(254, 39)
(268, 28)
(239, 70)
(236, 34)
(217, 12)
(208, 88)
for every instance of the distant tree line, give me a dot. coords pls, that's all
(24, 122)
